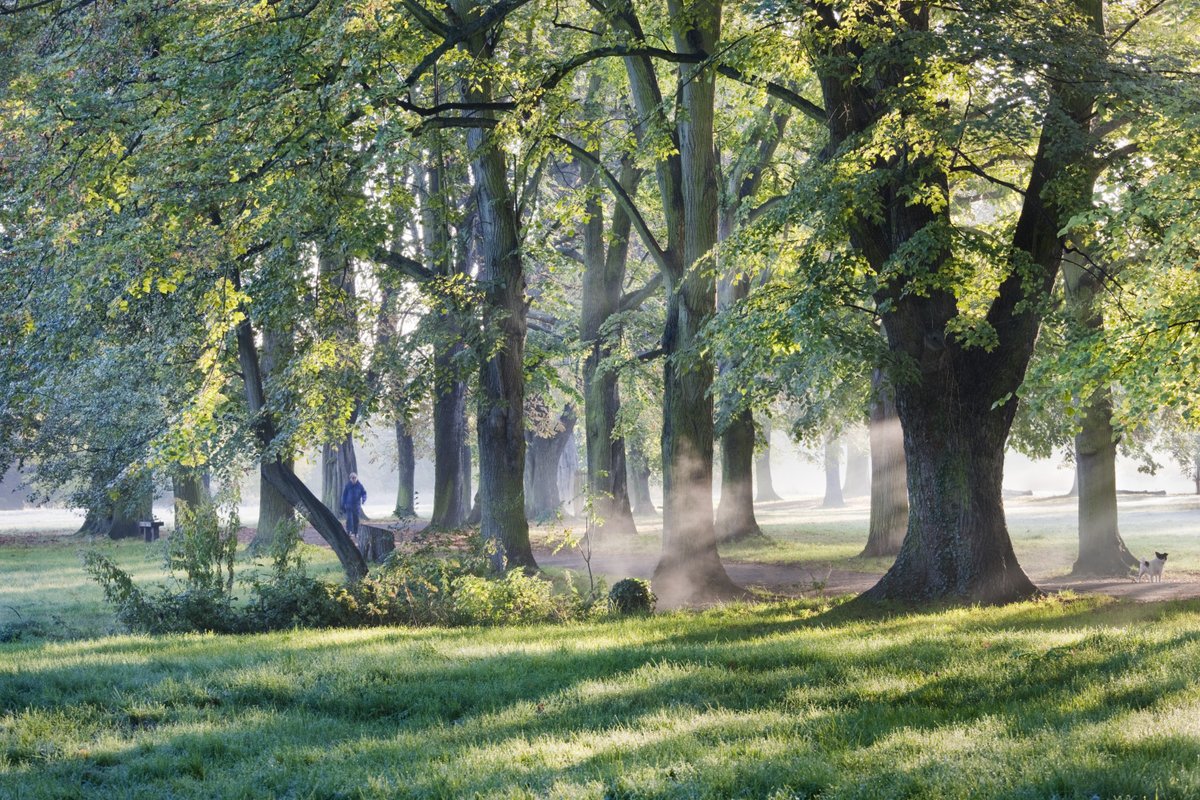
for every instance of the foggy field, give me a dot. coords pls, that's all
(44, 587)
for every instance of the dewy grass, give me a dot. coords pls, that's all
(1059, 698)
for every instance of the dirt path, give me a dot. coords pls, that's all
(804, 580)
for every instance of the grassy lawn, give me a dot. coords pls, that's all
(1069, 697)
(1062, 698)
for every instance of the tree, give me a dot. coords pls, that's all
(961, 357)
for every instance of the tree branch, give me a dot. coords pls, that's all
(622, 197)
(634, 299)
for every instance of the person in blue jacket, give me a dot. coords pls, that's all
(353, 496)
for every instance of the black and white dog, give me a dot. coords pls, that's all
(1152, 568)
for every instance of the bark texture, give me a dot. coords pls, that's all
(638, 470)
(889, 477)
(735, 512)
(274, 510)
(451, 500)
(501, 415)
(337, 462)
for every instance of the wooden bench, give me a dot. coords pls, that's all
(148, 528)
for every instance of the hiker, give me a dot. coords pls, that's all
(353, 496)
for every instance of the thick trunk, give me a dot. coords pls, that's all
(274, 511)
(279, 475)
(857, 482)
(690, 568)
(500, 420)
(449, 441)
(833, 473)
(406, 466)
(957, 544)
(889, 478)
(955, 425)
(735, 513)
(337, 462)
(543, 456)
(1102, 551)
(125, 518)
(762, 469)
(189, 491)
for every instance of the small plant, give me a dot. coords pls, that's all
(631, 596)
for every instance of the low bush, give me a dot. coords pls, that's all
(425, 584)
(631, 596)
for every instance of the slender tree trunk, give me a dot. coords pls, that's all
(1102, 551)
(762, 469)
(858, 468)
(638, 470)
(735, 513)
(469, 497)
(501, 415)
(889, 478)
(406, 465)
(542, 458)
(603, 279)
(274, 510)
(833, 473)
(279, 475)
(449, 442)
(451, 500)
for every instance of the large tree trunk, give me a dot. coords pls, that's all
(690, 568)
(501, 415)
(1102, 551)
(119, 519)
(889, 478)
(189, 491)
(337, 462)
(858, 468)
(762, 469)
(279, 475)
(735, 513)
(406, 466)
(542, 458)
(833, 473)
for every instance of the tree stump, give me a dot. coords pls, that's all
(375, 542)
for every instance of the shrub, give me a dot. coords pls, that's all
(631, 596)
(515, 598)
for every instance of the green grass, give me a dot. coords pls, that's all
(45, 594)
(1063, 698)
